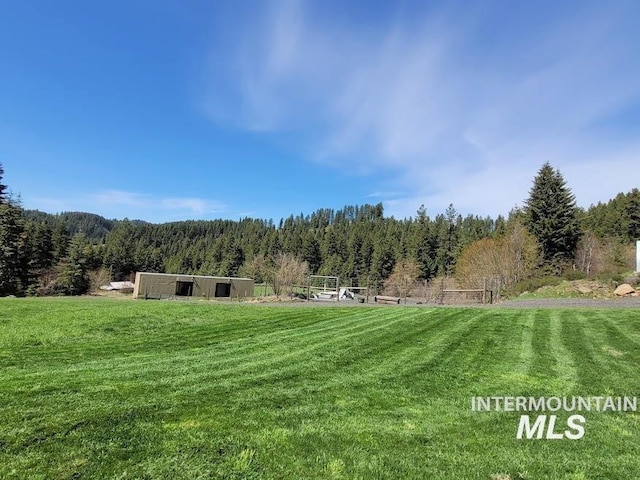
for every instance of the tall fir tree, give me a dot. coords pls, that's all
(633, 215)
(551, 216)
(311, 252)
(60, 241)
(73, 277)
(37, 253)
(12, 262)
(12, 254)
(119, 255)
(3, 188)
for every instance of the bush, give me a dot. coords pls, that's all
(613, 278)
(533, 284)
(571, 275)
(633, 280)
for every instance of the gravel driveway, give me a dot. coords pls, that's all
(625, 302)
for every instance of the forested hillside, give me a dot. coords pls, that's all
(52, 254)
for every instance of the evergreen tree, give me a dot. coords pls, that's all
(38, 255)
(311, 252)
(73, 277)
(232, 259)
(633, 215)
(3, 188)
(551, 216)
(12, 259)
(382, 263)
(60, 240)
(120, 252)
(13, 262)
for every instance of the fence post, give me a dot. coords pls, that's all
(484, 291)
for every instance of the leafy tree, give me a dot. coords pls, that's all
(287, 272)
(256, 268)
(551, 216)
(508, 259)
(403, 278)
(590, 254)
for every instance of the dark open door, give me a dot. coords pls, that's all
(184, 289)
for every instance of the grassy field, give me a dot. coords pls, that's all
(94, 388)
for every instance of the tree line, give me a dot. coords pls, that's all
(46, 254)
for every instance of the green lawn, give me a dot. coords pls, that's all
(118, 389)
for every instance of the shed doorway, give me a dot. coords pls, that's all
(184, 289)
(223, 290)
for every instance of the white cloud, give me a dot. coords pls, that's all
(133, 205)
(446, 114)
(197, 206)
(118, 197)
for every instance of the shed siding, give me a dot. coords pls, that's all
(163, 285)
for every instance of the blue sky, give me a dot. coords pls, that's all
(168, 109)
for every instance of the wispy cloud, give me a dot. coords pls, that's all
(112, 204)
(454, 105)
(384, 194)
(118, 197)
(197, 206)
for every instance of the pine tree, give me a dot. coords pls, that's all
(232, 259)
(60, 241)
(73, 277)
(12, 261)
(311, 252)
(37, 249)
(12, 246)
(3, 188)
(382, 263)
(633, 215)
(551, 216)
(120, 252)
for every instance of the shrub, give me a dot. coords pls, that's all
(633, 280)
(614, 278)
(571, 275)
(533, 284)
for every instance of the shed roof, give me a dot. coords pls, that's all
(193, 276)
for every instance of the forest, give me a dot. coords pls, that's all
(71, 253)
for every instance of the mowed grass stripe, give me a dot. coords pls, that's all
(422, 339)
(614, 349)
(282, 358)
(206, 367)
(564, 365)
(438, 370)
(307, 393)
(221, 332)
(230, 362)
(526, 344)
(385, 324)
(542, 363)
(307, 357)
(223, 326)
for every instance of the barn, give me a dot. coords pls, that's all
(168, 285)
